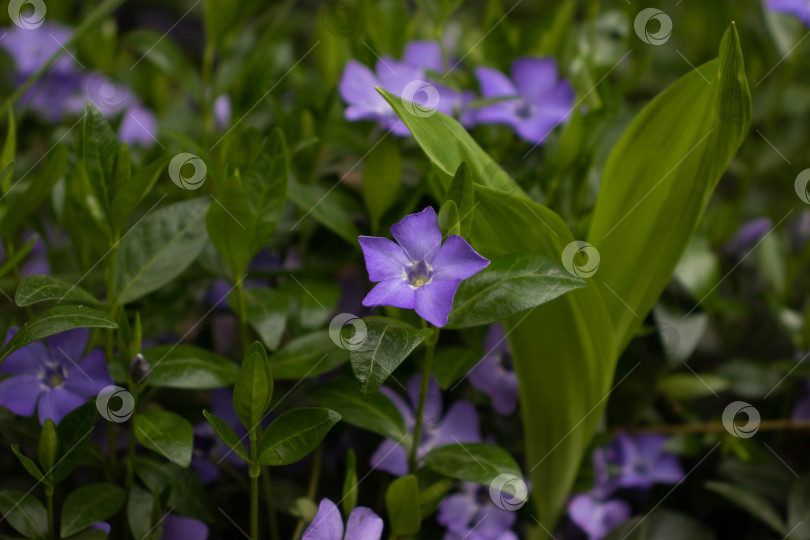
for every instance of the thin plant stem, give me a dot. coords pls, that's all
(255, 471)
(272, 519)
(243, 334)
(312, 490)
(49, 500)
(427, 368)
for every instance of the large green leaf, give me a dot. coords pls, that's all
(658, 179)
(472, 462)
(382, 176)
(168, 434)
(38, 288)
(227, 434)
(266, 187)
(160, 247)
(388, 342)
(89, 504)
(266, 312)
(100, 149)
(253, 389)
(25, 513)
(509, 285)
(294, 434)
(402, 503)
(377, 413)
(307, 356)
(73, 434)
(326, 206)
(56, 320)
(133, 190)
(185, 366)
(230, 222)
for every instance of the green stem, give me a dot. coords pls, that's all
(240, 297)
(208, 90)
(427, 368)
(254, 472)
(312, 490)
(49, 500)
(272, 520)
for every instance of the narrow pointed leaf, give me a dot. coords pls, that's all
(185, 366)
(25, 513)
(228, 436)
(294, 434)
(40, 288)
(472, 462)
(253, 389)
(402, 503)
(166, 433)
(90, 504)
(230, 221)
(377, 414)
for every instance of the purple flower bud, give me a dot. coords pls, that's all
(139, 368)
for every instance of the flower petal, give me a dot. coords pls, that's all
(395, 76)
(363, 524)
(327, 525)
(419, 235)
(435, 300)
(459, 425)
(184, 528)
(492, 521)
(390, 457)
(424, 54)
(19, 394)
(493, 83)
(457, 260)
(68, 347)
(433, 399)
(28, 359)
(55, 403)
(558, 104)
(534, 77)
(384, 258)
(391, 292)
(88, 377)
(456, 512)
(357, 89)
(505, 394)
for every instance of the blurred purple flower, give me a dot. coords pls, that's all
(36, 262)
(54, 378)
(183, 528)
(802, 409)
(222, 111)
(494, 374)
(363, 524)
(471, 514)
(642, 462)
(138, 126)
(459, 425)
(540, 99)
(748, 235)
(596, 516)
(799, 8)
(419, 273)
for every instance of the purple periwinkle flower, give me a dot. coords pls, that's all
(596, 516)
(534, 102)
(459, 425)
(363, 524)
(183, 528)
(799, 8)
(748, 235)
(471, 514)
(138, 126)
(52, 377)
(641, 461)
(419, 272)
(494, 374)
(222, 111)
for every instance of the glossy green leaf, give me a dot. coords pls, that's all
(89, 504)
(472, 462)
(228, 436)
(230, 222)
(326, 206)
(265, 183)
(402, 503)
(350, 484)
(140, 505)
(162, 245)
(25, 513)
(382, 176)
(186, 366)
(462, 192)
(133, 190)
(186, 493)
(294, 434)
(28, 464)
(73, 433)
(100, 146)
(40, 288)
(452, 363)
(449, 219)
(509, 285)
(56, 320)
(307, 356)
(657, 182)
(48, 445)
(752, 503)
(266, 312)
(376, 414)
(166, 433)
(253, 389)
(388, 342)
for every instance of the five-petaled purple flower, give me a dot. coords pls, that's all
(420, 273)
(472, 515)
(534, 102)
(494, 374)
(799, 8)
(597, 516)
(459, 425)
(363, 524)
(52, 377)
